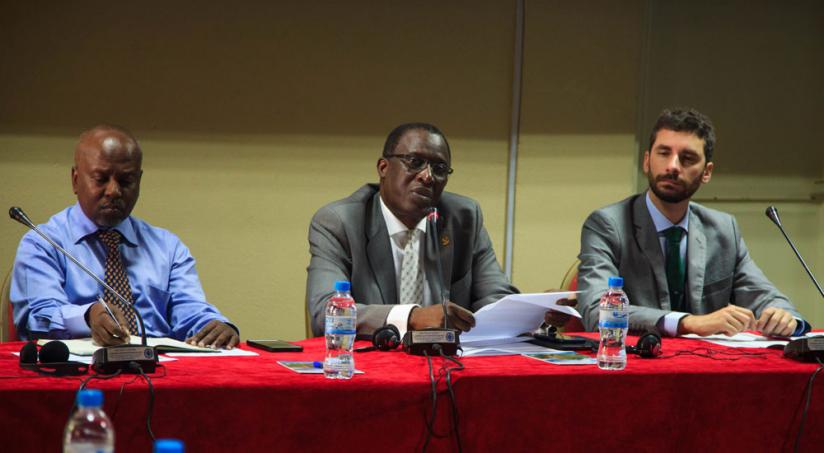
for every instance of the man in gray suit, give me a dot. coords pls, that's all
(379, 238)
(686, 268)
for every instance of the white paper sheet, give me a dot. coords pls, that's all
(515, 314)
(745, 340)
(508, 349)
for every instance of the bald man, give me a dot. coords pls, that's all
(149, 266)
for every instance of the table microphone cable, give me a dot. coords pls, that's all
(808, 396)
(445, 371)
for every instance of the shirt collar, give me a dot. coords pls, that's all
(661, 222)
(395, 226)
(82, 226)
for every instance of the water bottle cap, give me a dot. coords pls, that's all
(616, 282)
(90, 398)
(168, 446)
(342, 286)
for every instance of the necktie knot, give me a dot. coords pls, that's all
(110, 238)
(674, 234)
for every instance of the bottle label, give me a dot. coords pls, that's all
(613, 319)
(340, 325)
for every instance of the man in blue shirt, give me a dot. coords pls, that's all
(53, 298)
(686, 268)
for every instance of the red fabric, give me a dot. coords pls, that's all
(684, 403)
(12, 330)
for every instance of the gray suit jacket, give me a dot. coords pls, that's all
(348, 240)
(621, 240)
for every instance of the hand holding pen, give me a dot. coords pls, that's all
(107, 324)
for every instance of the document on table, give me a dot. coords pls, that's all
(86, 347)
(745, 340)
(513, 315)
(512, 348)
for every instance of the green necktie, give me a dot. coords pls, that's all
(675, 267)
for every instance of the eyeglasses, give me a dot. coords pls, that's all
(416, 164)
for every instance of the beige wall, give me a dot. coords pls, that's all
(252, 118)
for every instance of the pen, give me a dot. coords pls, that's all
(109, 311)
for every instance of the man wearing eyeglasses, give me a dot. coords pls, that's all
(379, 239)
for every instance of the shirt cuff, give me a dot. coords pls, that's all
(801, 328)
(669, 323)
(74, 320)
(399, 317)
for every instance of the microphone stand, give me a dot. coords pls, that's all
(810, 348)
(127, 358)
(434, 341)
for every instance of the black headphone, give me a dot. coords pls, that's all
(52, 359)
(385, 338)
(648, 346)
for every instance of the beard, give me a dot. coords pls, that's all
(683, 192)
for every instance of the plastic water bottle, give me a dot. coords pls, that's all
(89, 430)
(613, 323)
(341, 324)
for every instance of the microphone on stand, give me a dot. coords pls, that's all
(110, 359)
(806, 349)
(436, 340)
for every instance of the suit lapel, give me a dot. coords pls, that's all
(379, 252)
(696, 257)
(438, 245)
(647, 239)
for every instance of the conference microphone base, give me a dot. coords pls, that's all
(127, 358)
(805, 349)
(431, 342)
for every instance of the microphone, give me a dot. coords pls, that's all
(806, 349)
(436, 340)
(110, 359)
(772, 213)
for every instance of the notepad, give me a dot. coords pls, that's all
(86, 346)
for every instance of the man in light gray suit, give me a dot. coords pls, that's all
(379, 239)
(686, 268)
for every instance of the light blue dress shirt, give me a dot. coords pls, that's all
(51, 295)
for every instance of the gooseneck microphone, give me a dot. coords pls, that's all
(433, 341)
(807, 349)
(113, 358)
(772, 213)
(432, 230)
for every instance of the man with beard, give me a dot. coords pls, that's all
(379, 239)
(148, 266)
(686, 268)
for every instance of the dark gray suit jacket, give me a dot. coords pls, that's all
(348, 240)
(621, 240)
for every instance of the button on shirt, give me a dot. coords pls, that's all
(399, 315)
(51, 295)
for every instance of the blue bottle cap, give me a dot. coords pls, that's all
(90, 398)
(616, 282)
(342, 286)
(168, 446)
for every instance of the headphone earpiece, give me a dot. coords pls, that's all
(52, 359)
(387, 338)
(648, 346)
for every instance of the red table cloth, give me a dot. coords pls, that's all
(677, 403)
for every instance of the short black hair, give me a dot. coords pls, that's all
(395, 136)
(686, 120)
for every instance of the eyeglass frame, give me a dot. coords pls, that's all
(427, 163)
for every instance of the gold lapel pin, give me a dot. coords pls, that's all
(444, 240)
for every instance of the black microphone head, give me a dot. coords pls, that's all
(28, 353)
(772, 213)
(18, 214)
(54, 352)
(432, 216)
